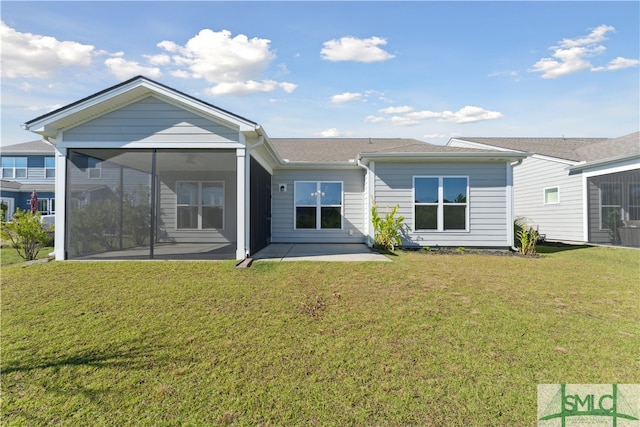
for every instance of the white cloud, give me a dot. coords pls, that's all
(435, 136)
(159, 59)
(467, 114)
(396, 110)
(354, 49)
(251, 86)
(513, 75)
(33, 55)
(618, 64)
(571, 55)
(345, 97)
(45, 108)
(374, 119)
(123, 69)
(234, 64)
(403, 121)
(330, 133)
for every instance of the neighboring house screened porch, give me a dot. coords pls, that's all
(614, 208)
(151, 204)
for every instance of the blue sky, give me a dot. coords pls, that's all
(424, 70)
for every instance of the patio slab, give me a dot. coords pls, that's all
(318, 252)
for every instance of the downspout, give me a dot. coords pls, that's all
(511, 207)
(366, 207)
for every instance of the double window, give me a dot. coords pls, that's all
(318, 205)
(200, 205)
(14, 167)
(441, 203)
(47, 206)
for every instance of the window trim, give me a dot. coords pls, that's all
(318, 205)
(97, 167)
(544, 195)
(49, 168)
(13, 168)
(440, 205)
(199, 199)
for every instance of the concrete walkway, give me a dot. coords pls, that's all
(318, 252)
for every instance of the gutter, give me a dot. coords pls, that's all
(459, 156)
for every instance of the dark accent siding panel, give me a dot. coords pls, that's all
(259, 207)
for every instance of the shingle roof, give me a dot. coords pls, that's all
(31, 147)
(345, 149)
(576, 149)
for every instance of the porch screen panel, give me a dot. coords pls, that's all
(109, 203)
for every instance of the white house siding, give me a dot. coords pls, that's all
(167, 231)
(151, 120)
(282, 225)
(487, 201)
(560, 221)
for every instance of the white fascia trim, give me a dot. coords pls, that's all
(141, 144)
(554, 159)
(443, 157)
(481, 146)
(318, 165)
(43, 125)
(605, 162)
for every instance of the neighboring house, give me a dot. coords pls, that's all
(575, 189)
(146, 171)
(27, 167)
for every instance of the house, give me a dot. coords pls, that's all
(575, 189)
(27, 167)
(146, 171)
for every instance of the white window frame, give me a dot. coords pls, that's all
(318, 205)
(544, 195)
(94, 172)
(14, 168)
(48, 169)
(199, 199)
(440, 205)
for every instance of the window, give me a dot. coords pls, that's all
(47, 206)
(200, 205)
(94, 167)
(14, 167)
(634, 201)
(440, 203)
(610, 206)
(318, 205)
(49, 167)
(551, 195)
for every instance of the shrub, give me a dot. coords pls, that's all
(526, 237)
(26, 234)
(388, 229)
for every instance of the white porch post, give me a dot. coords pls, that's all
(61, 205)
(241, 250)
(510, 206)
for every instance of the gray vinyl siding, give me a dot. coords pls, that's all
(282, 223)
(487, 201)
(167, 231)
(560, 221)
(151, 120)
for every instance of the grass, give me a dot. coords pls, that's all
(428, 339)
(9, 256)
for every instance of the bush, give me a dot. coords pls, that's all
(387, 230)
(526, 237)
(26, 234)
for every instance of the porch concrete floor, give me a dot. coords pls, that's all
(318, 252)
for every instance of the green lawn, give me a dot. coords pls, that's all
(429, 339)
